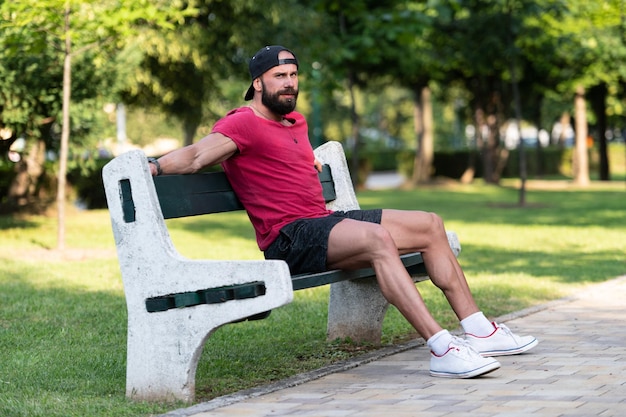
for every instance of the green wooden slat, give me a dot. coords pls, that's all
(413, 262)
(206, 296)
(248, 291)
(216, 295)
(156, 304)
(206, 193)
(195, 194)
(186, 299)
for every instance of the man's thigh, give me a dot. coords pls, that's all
(351, 244)
(303, 244)
(412, 230)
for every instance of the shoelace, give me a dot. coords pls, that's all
(458, 343)
(505, 329)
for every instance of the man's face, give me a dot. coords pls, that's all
(280, 87)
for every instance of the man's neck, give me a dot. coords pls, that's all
(263, 112)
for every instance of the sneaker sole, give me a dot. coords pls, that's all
(483, 370)
(515, 351)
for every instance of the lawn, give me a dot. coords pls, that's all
(63, 318)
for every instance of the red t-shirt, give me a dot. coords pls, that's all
(273, 172)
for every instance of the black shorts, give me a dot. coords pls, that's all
(303, 244)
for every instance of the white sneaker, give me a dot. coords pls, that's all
(501, 342)
(461, 361)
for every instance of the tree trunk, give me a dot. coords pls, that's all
(418, 129)
(470, 172)
(521, 150)
(355, 168)
(358, 176)
(597, 98)
(65, 131)
(189, 131)
(23, 189)
(490, 143)
(581, 162)
(424, 126)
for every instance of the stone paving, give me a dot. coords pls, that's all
(578, 369)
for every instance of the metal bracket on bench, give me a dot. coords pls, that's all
(207, 296)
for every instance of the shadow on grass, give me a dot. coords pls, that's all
(12, 222)
(564, 267)
(62, 349)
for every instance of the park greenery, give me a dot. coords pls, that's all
(375, 74)
(415, 77)
(63, 314)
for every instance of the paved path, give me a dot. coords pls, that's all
(578, 369)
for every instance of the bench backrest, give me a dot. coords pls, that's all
(211, 192)
(138, 210)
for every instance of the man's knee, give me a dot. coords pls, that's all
(435, 223)
(380, 238)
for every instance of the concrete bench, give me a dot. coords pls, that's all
(175, 304)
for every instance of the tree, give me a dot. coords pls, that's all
(603, 29)
(376, 44)
(70, 28)
(184, 73)
(418, 65)
(29, 96)
(589, 56)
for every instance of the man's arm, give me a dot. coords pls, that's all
(211, 150)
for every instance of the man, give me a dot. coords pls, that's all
(265, 152)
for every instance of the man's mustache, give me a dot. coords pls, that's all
(288, 91)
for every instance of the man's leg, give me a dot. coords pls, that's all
(418, 231)
(424, 232)
(354, 244)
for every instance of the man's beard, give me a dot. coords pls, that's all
(276, 104)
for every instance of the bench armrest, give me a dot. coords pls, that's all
(331, 153)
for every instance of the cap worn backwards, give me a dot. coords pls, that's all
(265, 59)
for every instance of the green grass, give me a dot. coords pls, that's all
(63, 317)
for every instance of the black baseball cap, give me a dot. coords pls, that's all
(263, 60)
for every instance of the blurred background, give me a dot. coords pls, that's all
(426, 90)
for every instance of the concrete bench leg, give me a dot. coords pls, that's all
(163, 348)
(356, 311)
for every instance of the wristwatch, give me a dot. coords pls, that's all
(156, 164)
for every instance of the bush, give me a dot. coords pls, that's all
(7, 173)
(543, 162)
(88, 185)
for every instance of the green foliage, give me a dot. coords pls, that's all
(187, 60)
(185, 73)
(31, 80)
(33, 47)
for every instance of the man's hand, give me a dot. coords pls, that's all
(318, 165)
